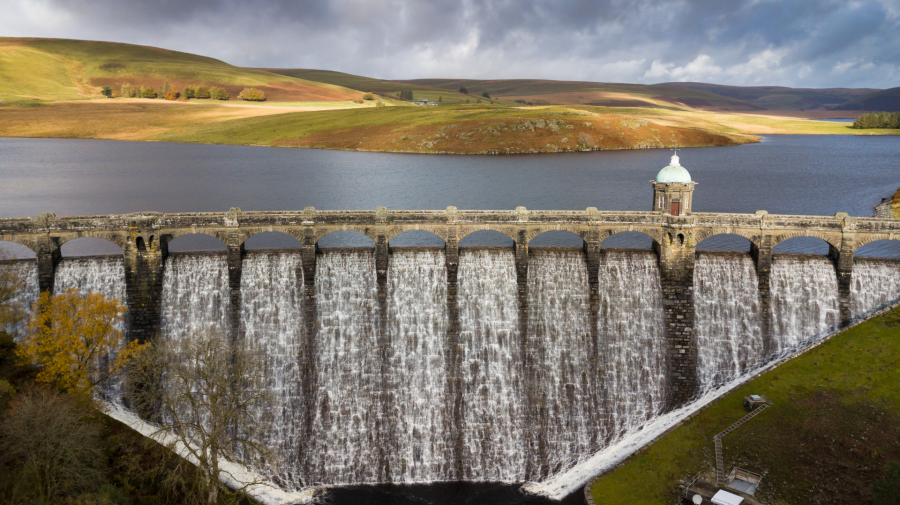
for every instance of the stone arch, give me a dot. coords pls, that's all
(655, 235)
(562, 235)
(102, 245)
(413, 231)
(438, 230)
(866, 239)
(488, 237)
(534, 232)
(892, 243)
(276, 238)
(368, 231)
(701, 234)
(22, 241)
(371, 242)
(727, 236)
(18, 250)
(178, 240)
(116, 238)
(509, 231)
(180, 232)
(830, 239)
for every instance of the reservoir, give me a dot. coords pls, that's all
(502, 434)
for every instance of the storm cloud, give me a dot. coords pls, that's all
(754, 42)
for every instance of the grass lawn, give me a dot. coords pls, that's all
(834, 427)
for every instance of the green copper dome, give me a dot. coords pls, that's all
(673, 173)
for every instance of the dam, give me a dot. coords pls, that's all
(404, 365)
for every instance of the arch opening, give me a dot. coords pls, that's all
(628, 240)
(196, 242)
(89, 246)
(139, 243)
(14, 251)
(417, 238)
(803, 245)
(486, 238)
(345, 238)
(725, 242)
(272, 240)
(557, 238)
(879, 249)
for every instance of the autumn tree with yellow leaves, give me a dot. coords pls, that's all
(75, 341)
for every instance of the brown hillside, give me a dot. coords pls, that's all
(275, 91)
(514, 135)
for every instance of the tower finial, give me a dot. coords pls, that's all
(675, 162)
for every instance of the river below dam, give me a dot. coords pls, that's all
(534, 400)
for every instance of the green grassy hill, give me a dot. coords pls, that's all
(64, 69)
(779, 97)
(887, 100)
(827, 439)
(547, 92)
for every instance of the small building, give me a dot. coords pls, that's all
(673, 189)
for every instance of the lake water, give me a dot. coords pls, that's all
(796, 174)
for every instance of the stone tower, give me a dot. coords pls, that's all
(673, 189)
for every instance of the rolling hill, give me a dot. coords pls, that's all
(385, 87)
(57, 69)
(779, 97)
(887, 100)
(547, 92)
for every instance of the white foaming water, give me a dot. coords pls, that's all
(566, 375)
(348, 372)
(804, 294)
(726, 317)
(875, 284)
(26, 271)
(273, 324)
(96, 275)
(632, 337)
(493, 394)
(195, 295)
(416, 371)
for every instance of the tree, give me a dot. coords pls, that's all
(368, 96)
(52, 442)
(165, 88)
(464, 91)
(252, 95)
(209, 397)
(127, 91)
(75, 342)
(217, 93)
(486, 94)
(202, 92)
(406, 94)
(440, 98)
(886, 491)
(106, 91)
(189, 92)
(172, 95)
(147, 92)
(379, 103)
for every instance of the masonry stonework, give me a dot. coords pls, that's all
(144, 238)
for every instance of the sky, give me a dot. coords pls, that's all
(795, 43)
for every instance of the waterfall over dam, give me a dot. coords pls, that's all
(494, 377)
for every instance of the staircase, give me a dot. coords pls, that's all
(717, 440)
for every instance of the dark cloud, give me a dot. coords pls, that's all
(814, 43)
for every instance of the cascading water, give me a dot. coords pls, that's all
(493, 435)
(632, 337)
(875, 284)
(726, 317)
(804, 294)
(26, 274)
(415, 374)
(349, 411)
(274, 326)
(104, 275)
(565, 378)
(195, 295)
